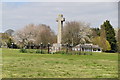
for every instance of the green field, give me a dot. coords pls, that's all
(32, 65)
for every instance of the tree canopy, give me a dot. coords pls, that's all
(9, 32)
(110, 35)
(75, 32)
(34, 34)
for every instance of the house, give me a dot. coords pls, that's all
(87, 48)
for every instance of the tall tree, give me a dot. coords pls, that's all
(76, 32)
(104, 43)
(34, 35)
(45, 34)
(25, 35)
(110, 35)
(101, 40)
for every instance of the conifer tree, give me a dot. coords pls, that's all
(104, 43)
(110, 35)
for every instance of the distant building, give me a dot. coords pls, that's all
(57, 46)
(10, 32)
(87, 48)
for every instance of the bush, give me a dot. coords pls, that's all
(31, 51)
(60, 52)
(23, 50)
(38, 51)
(41, 52)
(73, 53)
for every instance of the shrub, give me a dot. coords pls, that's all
(31, 51)
(41, 52)
(23, 50)
(60, 52)
(38, 51)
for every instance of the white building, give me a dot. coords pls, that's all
(87, 48)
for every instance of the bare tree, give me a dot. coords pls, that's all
(76, 32)
(45, 34)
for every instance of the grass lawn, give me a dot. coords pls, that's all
(32, 65)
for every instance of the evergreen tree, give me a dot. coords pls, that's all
(104, 43)
(9, 32)
(110, 35)
(95, 32)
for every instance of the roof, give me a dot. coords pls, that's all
(87, 46)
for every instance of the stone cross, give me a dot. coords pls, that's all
(60, 20)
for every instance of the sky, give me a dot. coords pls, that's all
(16, 15)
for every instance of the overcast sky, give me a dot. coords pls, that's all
(16, 15)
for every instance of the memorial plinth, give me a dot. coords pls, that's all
(57, 46)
